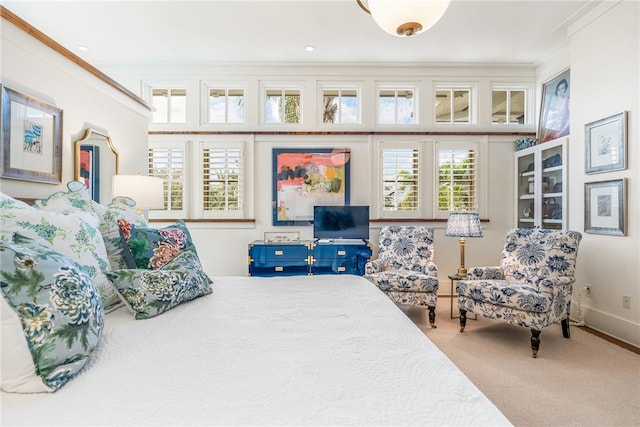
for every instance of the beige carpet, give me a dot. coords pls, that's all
(581, 381)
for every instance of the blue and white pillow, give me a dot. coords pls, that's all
(52, 317)
(149, 293)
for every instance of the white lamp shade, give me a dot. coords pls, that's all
(391, 14)
(463, 224)
(147, 191)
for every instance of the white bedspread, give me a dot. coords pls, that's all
(319, 350)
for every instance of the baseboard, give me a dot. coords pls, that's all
(605, 323)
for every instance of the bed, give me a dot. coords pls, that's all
(300, 350)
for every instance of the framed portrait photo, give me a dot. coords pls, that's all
(605, 207)
(554, 109)
(606, 144)
(31, 138)
(308, 177)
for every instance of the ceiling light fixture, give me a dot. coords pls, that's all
(404, 18)
(83, 48)
(309, 48)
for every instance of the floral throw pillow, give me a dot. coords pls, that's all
(52, 317)
(149, 293)
(151, 248)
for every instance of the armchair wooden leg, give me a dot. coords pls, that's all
(432, 317)
(463, 319)
(565, 328)
(535, 342)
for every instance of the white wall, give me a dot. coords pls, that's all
(32, 68)
(605, 70)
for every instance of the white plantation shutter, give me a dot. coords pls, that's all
(401, 177)
(222, 178)
(457, 189)
(168, 163)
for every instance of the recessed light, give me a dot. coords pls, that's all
(309, 48)
(83, 48)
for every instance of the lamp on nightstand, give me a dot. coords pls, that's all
(463, 225)
(147, 191)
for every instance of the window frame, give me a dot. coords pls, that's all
(162, 213)
(480, 165)
(398, 86)
(206, 86)
(264, 87)
(379, 182)
(529, 107)
(472, 88)
(322, 86)
(194, 186)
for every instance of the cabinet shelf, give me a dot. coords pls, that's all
(536, 191)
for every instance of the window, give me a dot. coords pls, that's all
(167, 161)
(221, 179)
(457, 189)
(508, 106)
(282, 105)
(170, 105)
(396, 105)
(400, 171)
(212, 187)
(453, 106)
(340, 105)
(225, 105)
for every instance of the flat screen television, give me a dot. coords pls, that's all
(341, 222)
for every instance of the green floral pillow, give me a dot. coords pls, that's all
(75, 234)
(149, 293)
(151, 248)
(52, 317)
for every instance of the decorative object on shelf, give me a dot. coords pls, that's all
(552, 161)
(306, 177)
(523, 143)
(405, 18)
(606, 144)
(463, 225)
(551, 209)
(31, 138)
(554, 113)
(146, 191)
(282, 237)
(526, 212)
(605, 207)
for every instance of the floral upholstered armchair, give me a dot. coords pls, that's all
(404, 269)
(532, 286)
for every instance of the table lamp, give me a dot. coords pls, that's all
(147, 191)
(463, 225)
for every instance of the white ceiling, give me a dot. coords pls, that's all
(131, 32)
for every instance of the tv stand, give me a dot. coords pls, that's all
(309, 258)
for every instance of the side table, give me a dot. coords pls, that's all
(454, 277)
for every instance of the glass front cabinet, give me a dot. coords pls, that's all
(541, 186)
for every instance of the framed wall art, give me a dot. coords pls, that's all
(605, 207)
(31, 138)
(554, 109)
(308, 177)
(606, 144)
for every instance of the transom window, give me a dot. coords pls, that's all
(225, 105)
(397, 105)
(282, 105)
(508, 106)
(170, 105)
(340, 105)
(453, 106)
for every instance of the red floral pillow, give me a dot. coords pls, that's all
(151, 248)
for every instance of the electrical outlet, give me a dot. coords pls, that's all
(626, 301)
(587, 290)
